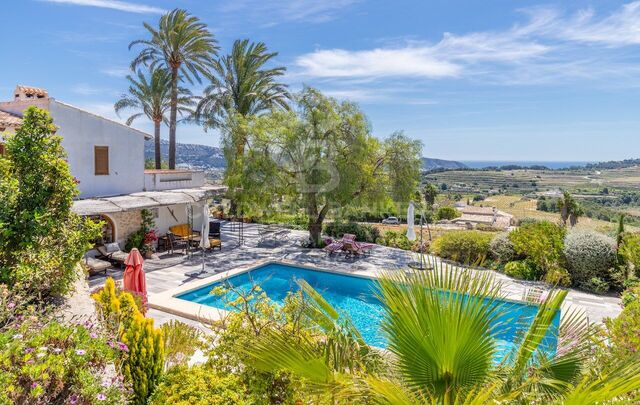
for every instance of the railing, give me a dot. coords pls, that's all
(157, 180)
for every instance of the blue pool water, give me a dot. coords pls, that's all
(355, 297)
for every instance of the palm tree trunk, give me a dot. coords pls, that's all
(173, 118)
(156, 131)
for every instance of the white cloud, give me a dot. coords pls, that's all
(548, 47)
(116, 72)
(409, 61)
(278, 11)
(113, 4)
(620, 28)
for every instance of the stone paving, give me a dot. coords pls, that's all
(166, 272)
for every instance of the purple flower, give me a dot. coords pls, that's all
(93, 335)
(29, 350)
(34, 385)
(11, 305)
(111, 344)
(73, 399)
(57, 350)
(123, 347)
(101, 397)
(81, 352)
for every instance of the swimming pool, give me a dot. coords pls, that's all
(355, 297)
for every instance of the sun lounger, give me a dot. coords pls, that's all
(332, 246)
(95, 265)
(112, 253)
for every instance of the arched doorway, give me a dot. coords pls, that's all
(108, 228)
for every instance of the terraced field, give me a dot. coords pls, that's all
(526, 181)
(522, 207)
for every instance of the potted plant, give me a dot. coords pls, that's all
(147, 246)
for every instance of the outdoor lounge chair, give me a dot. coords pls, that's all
(95, 265)
(332, 246)
(351, 248)
(176, 243)
(112, 253)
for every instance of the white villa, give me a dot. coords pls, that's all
(107, 158)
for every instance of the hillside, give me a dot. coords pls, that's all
(430, 164)
(211, 157)
(187, 154)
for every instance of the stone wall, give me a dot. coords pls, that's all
(126, 223)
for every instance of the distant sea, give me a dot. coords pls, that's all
(479, 164)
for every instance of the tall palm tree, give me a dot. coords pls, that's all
(186, 48)
(152, 97)
(569, 209)
(242, 85)
(442, 328)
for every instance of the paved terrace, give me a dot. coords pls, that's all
(166, 271)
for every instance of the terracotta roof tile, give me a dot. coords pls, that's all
(9, 119)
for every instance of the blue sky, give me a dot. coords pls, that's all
(474, 80)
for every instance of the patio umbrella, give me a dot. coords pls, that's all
(411, 233)
(134, 279)
(204, 231)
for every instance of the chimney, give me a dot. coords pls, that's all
(22, 93)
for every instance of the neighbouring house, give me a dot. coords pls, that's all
(107, 158)
(473, 216)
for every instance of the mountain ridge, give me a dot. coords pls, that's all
(212, 157)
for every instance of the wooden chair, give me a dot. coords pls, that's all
(176, 243)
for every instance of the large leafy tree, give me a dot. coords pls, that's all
(442, 329)
(186, 48)
(322, 157)
(152, 98)
(243, 85)
(41, 239)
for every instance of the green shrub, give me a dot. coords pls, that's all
(528, 221)
(596, 285)
(589, 257)
(136, 239)
(396, 240)
(624, 332)
(41, 239)
(144, 362)
(501, 248)
(447, 213)
(364, 233)
(541, 243)
(630, 295)
(469, 247)
(558, 276)
(523, 270)
(630, 252)
(198, 385)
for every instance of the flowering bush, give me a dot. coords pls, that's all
(48, 362)
(589, 257)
